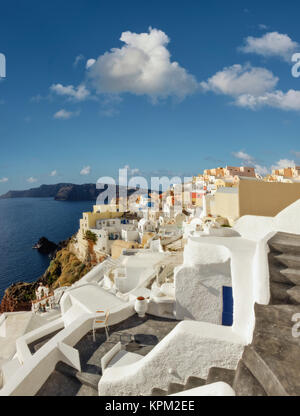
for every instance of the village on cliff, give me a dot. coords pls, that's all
(194, 291)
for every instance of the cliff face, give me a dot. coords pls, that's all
(17, 297)
(67, 192)
(44, 191)
(64, 270)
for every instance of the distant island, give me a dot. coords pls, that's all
(65, 192)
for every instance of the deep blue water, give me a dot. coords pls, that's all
(22, 222)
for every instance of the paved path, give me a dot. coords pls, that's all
(147, 331)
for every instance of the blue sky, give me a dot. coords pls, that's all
(73, 109)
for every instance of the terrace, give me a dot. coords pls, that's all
(138, 335)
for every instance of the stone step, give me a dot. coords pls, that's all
(267, 316)
(276, 376)
(283, 294)
(294, 294)
(293, 275)
(175, 388)
(277, 275)
(280, 344)
(217, 374)
(193, 382)
(291, 261)
(245, 384)
(158, 392)
(87, 379)
(285, 243)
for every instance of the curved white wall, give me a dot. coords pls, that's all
(190, 349)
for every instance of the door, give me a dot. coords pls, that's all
(227, 314)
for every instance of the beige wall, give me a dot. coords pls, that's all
(226, 205)
(266, 198)
(255, 198)
(119, 245)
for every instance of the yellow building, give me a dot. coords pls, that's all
(88, 221)
(100, 212)
(119, 245)
(253, 197)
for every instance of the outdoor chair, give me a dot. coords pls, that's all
(97, 323)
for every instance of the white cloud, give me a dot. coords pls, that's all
(90, 62)
(238, 79)
(3, 180)
(142, 66)
(85, 171)
(123, 176)
(252, 88)
(263, 170)
(78, 59)
(289, 100)
(250, 161)
(79, 93)
(65, 115)
(31, 179)
(244, 156)
(53, 173)
(284, 163)
(270, 44)
(262, 26)
(131, 171)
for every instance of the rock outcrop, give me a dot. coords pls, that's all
(44, 246)
(64, 270)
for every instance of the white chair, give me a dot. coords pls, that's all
(97, 323)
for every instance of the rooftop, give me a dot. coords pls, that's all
(146, 333)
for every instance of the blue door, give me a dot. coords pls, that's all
(227, 315)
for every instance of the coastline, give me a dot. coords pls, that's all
(64, 269)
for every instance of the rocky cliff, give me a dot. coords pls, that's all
(67, 192)
(64, 270)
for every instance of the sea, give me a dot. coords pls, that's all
(22, 222)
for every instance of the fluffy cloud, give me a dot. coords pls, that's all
(85, 171)
(89, 63)
(238, 80)
(142, 66)
(78, 59)
(131, 171)
(263, 170)
(53, 173)
(244, 156)
(31, 179)
(284, 163)
(252, 88)
(2, 180)
(262, 26)
(271, 44)
(250, 161)
(289, 100)
(79, 93)
(65, 115)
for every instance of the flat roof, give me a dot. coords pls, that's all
(224, 190)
